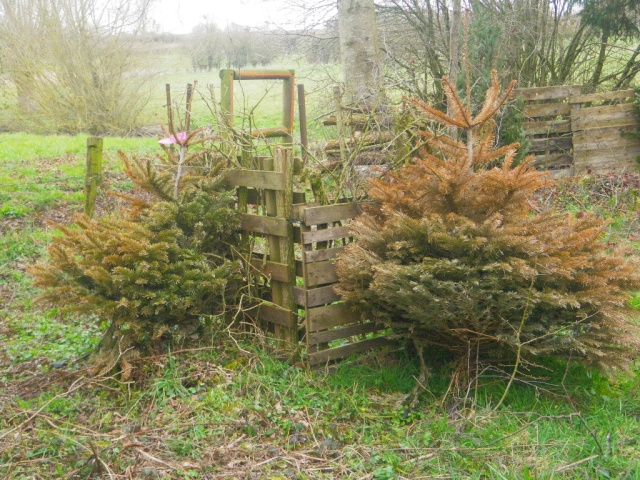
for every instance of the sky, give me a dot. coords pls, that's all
(180, 16)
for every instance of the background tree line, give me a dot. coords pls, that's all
(537, 42)
(80, 65)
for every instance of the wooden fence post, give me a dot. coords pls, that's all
(283, 163)
(93, 174)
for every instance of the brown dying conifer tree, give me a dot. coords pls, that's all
(456, 256)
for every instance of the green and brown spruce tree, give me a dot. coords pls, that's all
(455, 255)
(154, 270)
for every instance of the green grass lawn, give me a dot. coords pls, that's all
(218, 406)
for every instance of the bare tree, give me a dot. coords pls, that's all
(538, 42)
(74, 63)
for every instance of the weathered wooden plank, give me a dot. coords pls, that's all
(320, 273)
(277, 315)
(346, 332)
(553, 160)
(273, 270)
(603, 96)
(607, 116)
(330, 213)
(322, 318)
(608, 145)
(584, 136)
(264, 225)
(325, 235)
(616, 164)
(325, 356)
(547, 93)
(300, 295)
(319, 296)
(550, 144)
(315, 297)
(254, 179)
(322, 255)
(298, 207)
(595, 157)
(547, 110)
(547, 127)
(283, 163)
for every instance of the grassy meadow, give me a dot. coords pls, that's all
(219, 406)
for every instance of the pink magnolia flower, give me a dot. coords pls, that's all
(182, 138)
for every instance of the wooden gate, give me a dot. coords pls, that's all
(293, 245)
(332, 329)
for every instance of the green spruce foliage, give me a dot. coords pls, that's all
(155, 270)
(455, 255)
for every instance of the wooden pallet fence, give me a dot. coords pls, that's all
(299, 287)
(548, 125)
(332, 329)
(265, 202)
(572, 133)
(602, 124)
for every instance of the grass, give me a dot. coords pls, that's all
(46, 173)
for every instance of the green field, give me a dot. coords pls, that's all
(220, 406)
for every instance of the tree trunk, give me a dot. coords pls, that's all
(602, 55)
(360, 53)
(454, 57)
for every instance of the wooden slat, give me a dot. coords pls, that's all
(321, 296)
(547, 93)
(320, 273)
(550, 144)
(321, 255)
(610, 164)
(606, 145)
(276, 315)
(325, 356)
(330, 213)
(274, 270)
(547, 110)
(315, 297)
(255, 179)
(607, 116)
(325, 235)
(323, 318)
(297, 209)
(594, 157)
(346, 332)
(265, 225)
(548, 127)
(603, 96)
(585, 136)
(554, 160)
(299, 295)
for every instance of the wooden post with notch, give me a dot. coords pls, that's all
(283, 163)
(93, 174)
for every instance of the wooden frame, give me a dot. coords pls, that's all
(227, 79)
